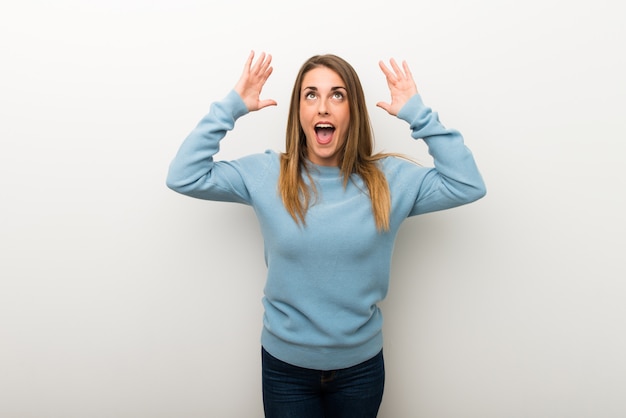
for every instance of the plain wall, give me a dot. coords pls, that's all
(120, 298)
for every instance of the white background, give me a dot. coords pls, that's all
(120, 298)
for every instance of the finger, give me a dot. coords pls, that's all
(266, 68)
(258, 63)
(262, 66)
(385, 69)
(267, 62)
(396, 68)
(267, 74)
(407, 70)
(249, 61)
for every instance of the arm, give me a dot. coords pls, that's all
(455, 179)
(193, 171)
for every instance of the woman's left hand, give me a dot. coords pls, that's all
(401, 86)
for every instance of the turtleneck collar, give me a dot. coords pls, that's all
(323, 171)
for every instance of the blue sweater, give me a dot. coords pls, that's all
(325, 279)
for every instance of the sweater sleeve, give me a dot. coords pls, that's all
(193, 171)
(455, 179)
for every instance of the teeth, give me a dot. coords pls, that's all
(324, 125)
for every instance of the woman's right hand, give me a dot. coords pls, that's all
(252, 80)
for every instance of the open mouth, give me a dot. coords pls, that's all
(324, 132)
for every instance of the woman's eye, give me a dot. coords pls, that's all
(310, 96)
(337, 95)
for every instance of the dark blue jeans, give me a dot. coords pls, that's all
(291, 391)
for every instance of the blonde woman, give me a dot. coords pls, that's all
(329, 211)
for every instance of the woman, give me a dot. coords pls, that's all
(329, 212)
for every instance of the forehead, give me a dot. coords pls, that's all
(322, 77)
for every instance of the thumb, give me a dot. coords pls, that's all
(385, 106)
(266, 103)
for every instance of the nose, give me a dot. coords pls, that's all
(322, 108)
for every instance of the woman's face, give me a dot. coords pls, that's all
(324, 115)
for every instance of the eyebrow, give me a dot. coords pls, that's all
(331, 89)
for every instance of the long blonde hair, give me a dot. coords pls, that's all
(356, 152)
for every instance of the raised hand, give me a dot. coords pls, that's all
(252, 80)
(401, 86)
